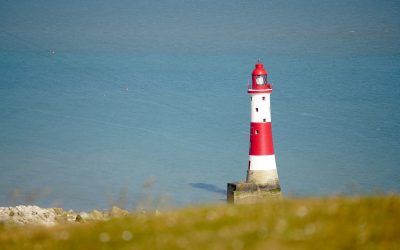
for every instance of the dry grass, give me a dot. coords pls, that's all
(327, 223)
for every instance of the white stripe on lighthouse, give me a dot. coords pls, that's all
(262, 162)
(260, 107)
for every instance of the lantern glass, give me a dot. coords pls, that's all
(261, 79)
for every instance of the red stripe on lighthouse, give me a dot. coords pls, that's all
(261, 139)
(256, 91)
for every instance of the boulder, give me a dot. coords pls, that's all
(79, 218)
(116, 212)
(96, 215)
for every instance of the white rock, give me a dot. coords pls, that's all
(28, 215)
(84, 215)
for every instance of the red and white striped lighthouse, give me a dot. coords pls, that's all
(262, 166)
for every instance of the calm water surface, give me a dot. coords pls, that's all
(98, 99)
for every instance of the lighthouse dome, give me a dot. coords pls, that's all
(259, 70)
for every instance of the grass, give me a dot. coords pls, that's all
(314, 223)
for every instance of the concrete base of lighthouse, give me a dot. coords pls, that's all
(249, 192)
(264, 178)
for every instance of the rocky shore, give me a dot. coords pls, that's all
(22, 215)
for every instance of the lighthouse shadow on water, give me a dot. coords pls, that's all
(262, 180)
(208, 187)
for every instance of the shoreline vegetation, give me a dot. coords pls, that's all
(367, 222)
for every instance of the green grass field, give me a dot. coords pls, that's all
(314, 223)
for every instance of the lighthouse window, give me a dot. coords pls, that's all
(256, 109)
(263, 98)
(261, 79)
(264, 120)
(256, 131)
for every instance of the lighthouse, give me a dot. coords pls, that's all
(262, 165)
(262, 180)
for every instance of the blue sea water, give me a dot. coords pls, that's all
(98, 99)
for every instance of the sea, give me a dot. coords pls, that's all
(145, 104)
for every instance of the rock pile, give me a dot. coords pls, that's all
(52, 216)
(28, 215)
